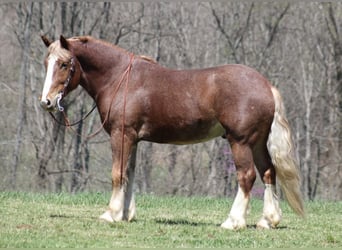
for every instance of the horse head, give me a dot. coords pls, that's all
(62, 73)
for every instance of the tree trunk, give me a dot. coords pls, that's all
(22, 88)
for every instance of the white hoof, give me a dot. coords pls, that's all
(106, 217)
(265, 223)
(111, 216)
(117, 215)
(233, 224)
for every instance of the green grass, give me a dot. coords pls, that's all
(63, 220)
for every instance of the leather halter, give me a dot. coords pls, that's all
(66, 84)
(60, 96)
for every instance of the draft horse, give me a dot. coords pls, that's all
(138, 99)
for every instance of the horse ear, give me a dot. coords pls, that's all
(46, 41)
(64, 42)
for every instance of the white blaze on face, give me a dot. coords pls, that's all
(49, 77)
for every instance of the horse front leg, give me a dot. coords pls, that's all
(122, 204)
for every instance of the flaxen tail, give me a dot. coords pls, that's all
(280, 148)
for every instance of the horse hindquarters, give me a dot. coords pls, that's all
(270, 151)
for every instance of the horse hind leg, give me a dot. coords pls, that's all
(246, 176)
(271, 211)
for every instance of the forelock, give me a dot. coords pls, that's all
(57, 51)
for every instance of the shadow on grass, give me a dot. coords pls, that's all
(181, 222)
(166, 221)
(62, 216)
(196, 224)
(277, 228)
(67, 216)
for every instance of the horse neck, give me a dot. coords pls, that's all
(102, 66)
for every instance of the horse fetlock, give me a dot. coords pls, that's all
(273, 216)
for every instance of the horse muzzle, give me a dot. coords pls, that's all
(52, 105)
(47, 105)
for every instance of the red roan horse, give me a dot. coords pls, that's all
(138, 99)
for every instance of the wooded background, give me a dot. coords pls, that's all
(297, 46)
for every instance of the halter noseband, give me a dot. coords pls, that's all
(66, 84)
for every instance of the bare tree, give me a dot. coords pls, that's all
(24, 12)
(333, 27)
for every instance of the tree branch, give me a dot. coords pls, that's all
(274, 31)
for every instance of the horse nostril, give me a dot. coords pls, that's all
(45, 103)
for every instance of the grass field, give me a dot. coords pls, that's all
(63, 220)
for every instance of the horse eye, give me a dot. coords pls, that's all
(64, 65)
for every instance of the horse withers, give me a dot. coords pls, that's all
(138, 99)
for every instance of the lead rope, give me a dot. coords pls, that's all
(129, 69)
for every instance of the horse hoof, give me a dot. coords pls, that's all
(106, 216)
(233, 224)
(265, 224)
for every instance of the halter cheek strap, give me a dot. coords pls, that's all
(66, 84)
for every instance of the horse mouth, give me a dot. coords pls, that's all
(47, 106)
(51, 105)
